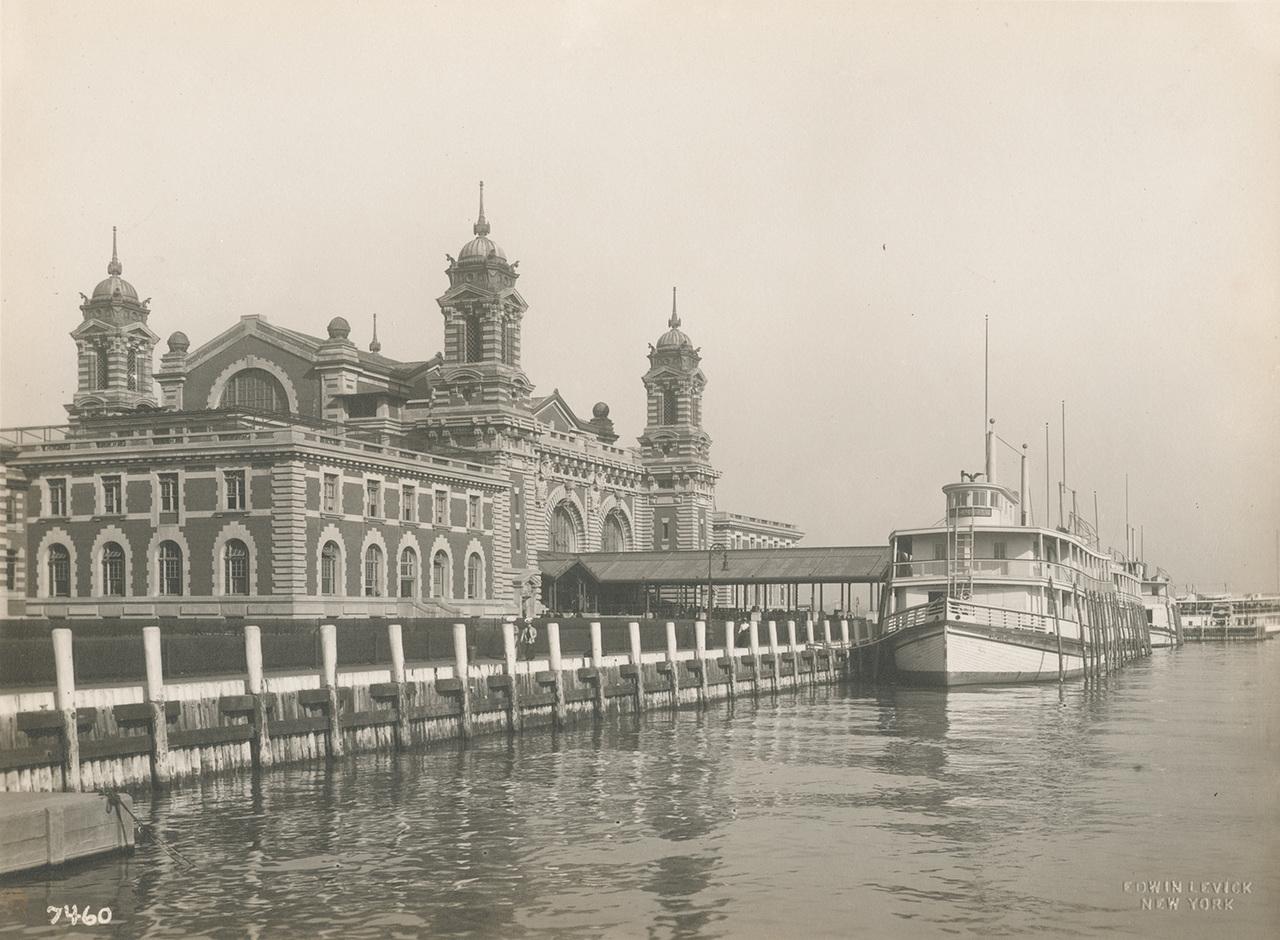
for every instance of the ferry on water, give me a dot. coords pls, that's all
(1230, 617)
(1162, 610)
(987, 596)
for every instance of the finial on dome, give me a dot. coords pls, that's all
(375, 346)
(114, 267)
(481, 227)
(674, 322)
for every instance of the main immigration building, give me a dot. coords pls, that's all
(274, 473)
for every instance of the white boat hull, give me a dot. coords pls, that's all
(957, 653)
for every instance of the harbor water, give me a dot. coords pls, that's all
(1147, 807)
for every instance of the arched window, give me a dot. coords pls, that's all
(255, 389)
(440, 586)
(329, 570)
(408, 573)
(59, 571)
(509, 343)
(112, 570)
(373, 571)
(475, 576)
(235, 568)
(169, 565)
(131, 369)
(614, 537)
(564, 530)
(670, 407)
(474, 338)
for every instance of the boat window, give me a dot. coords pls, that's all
(995, 500)
(980, 498)
(965, 498)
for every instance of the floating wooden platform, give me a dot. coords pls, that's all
(40, 829)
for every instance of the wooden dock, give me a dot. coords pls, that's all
(41, 829)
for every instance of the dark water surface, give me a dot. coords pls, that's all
(835, 812)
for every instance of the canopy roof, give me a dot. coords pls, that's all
(836, 565)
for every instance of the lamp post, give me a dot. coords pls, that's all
(724, 564)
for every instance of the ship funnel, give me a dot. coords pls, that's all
(991, 452)
(1024, 498)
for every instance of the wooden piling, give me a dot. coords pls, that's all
(255, 685)
(633, 634)
(753, 646)
(673, 664)
(700, 656)
(329, 680)
(730, 660)
(159, 724)
(403, 699)
(65, 702)
(793, 653)
(597, 660)
(515, 719)
(462, 672)
(557, 675)
(774, 654)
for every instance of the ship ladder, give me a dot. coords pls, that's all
(960, 561)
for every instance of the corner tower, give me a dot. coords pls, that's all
(114, 347)
(482, 392)
(674, 448)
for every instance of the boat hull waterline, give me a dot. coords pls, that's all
(951, 653)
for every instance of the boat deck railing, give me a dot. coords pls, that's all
(1024, 568)
(967, 612)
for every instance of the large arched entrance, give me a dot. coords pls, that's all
(564, 532)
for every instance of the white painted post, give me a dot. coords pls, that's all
(395, 640)
(674, 675)
(155, 697)
(633, 634)
(753, 645)
(260, 743)
(462, 671)
(700, 655)
(514, 718)
(553, 651)
(730, 659)
(329, 680)
(65, 701)
(404, 731)
(774, 654)
(844, 633)
(597, 655)
(826, 631)
(791, 636)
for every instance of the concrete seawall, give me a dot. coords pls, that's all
(153, 732)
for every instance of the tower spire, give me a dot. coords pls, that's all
(375, 346)
(674, 322)
(481, 227)
(114, 267)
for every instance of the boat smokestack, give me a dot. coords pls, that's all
(991, 452)
(1024, 499)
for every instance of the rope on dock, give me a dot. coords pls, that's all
(114, 802)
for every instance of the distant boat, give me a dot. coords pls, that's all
(1230, 617)
(985, 597)
(1161, 608)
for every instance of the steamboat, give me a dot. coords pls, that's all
(987, 596)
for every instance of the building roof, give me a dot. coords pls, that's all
(858, 564)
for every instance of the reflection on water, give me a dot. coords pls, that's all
(823, 812)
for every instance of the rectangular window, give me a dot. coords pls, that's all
(57, 497)
(330, 492)
(168, 492)
(112, 496)
(473, 512)
(409, 503)
(999, 551)
(10, 569)
(939, 551)
(10, 508)
(980, 498)
(519, 541)
(515, 502)
(666, 530)
(373, 498)
(441, 508)
(234, 480)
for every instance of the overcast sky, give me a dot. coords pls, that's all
(840, 192)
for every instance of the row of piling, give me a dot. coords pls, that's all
(1112, 634)
(761, 667)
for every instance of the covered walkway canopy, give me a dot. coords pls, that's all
(678, 582)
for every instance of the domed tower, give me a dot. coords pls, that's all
(482, 394)
(674, 448)
(114, 346)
